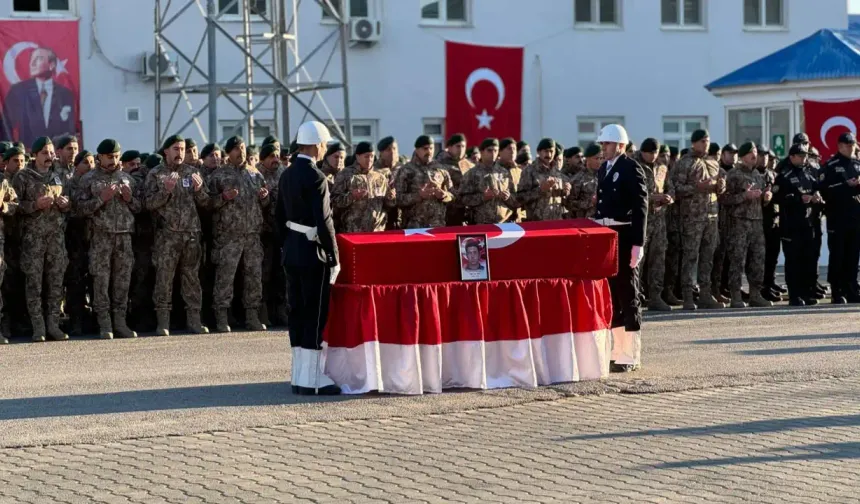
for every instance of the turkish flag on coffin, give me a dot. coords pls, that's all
(483, 91)
(825, 121)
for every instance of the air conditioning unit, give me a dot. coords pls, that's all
(365, 30)
(168, 65)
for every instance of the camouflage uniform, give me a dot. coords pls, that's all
(330, 173)
(540, 205)
(394, 214)
(15, 319)
(367, 214)
(581, 202)
(656, 178)
(719, 274)
(274, 278)
(8, 207)
(77, 248)
(457, 169)
(207, 267)
(418, 212)
(746, 242)
(471, 194)
(142, 274)
(65, 171)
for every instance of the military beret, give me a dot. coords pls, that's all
(699, 134)
(684, 152)
(334, 147)
(269, 149)
(423, 141)
(81, 156)
(489, 142)
(172, 139)
(506, 142)
(800, 138)
(251, 150)
(455, 139)
(11, 152)
(813, 152)
(129, 155)
(108, 146)
(271, 140)
(762, 148)
(592, 150)
(713, 149)
(4, 146)
(363, 148)
(472, 151)
(673, 151)
(20, 145)
(846, 138)
(572, 151)
(650, 145)
(40, 144)
(559, 149)
(154, 160)
(798, 149)
(730, 148)
(664, 149)
(232, 143)
(385, 143)
(189, 143)
(521, 145)
(746, 148)
(546, 143)
(144, 155)
(65, 140)
(208, 149)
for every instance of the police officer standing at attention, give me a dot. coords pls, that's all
(622, 203)
(304, 219)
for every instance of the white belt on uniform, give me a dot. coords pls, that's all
(308, 231)
(610, 222)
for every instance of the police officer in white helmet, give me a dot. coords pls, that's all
(622, 204)
(304, 218)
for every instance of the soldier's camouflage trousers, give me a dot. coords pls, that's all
(176, 251)
(655, 255)
(15, 306)
(746, 254)
(77, 279)
(43, 262)
(673, 252)
(274, 277)
(228, 252)
(111, 262)
(142, 279)
(699, 240)
(719, 275)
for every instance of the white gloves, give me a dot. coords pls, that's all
(636, 256)
(334, 272)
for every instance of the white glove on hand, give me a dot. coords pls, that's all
(636, 256)
(334, 272)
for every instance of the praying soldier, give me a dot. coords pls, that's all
(508, 161)
(107, 197)
(78, 248)
(543, 188)
(15, 319)
(388, 164)
(67, 150)
(333, 162)
(487, 189)
(43, 203)
(423, 188)
(362, 194)
(8, 207)
(191, 156)
(660, 196)
(582, 202)
(720, 273)
(238, 197)
(573, 161)
(453, 158)
(274, 279)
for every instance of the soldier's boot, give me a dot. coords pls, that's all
(105, 329)
(38, 329)
(738, 299)
(656, 302)
(263, 314)
(718, 295)
(671, 299)
(757, 300)
(221, 320)
(163, 324)
(689, 301)
(53, 328)
(5, 329)
(121, 328)
(252, 321)
(707, 301)
(282, 314)
(194, 324)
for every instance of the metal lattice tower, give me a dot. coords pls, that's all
(282, 83)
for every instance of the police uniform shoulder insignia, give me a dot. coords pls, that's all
(775, 189)
(821, 177)
(615, 177)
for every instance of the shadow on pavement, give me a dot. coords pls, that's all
(774, 339)
(788, 351)
(214, 396)
(823, 451)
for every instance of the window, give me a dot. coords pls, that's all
(435, 129)
(764, 13)
(258, 7)
(682, 13)
(454, 12)
(356, 8)
(588, 128)
(597, 12)
(49, 7)
(678, 130)
(746, 125)
(262, 129)
(132, 114)
(363, 130)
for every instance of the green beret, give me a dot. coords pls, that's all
(232, 143)
(251, 150)
(363, 148)
(154, 160)
(20, 145)
(4, 146)
(455, 139)
(65, 140)
(172, 139)
(423, 141)
(208, 149)
(673, 151)
(521, 145)
(746, 149)
(189, 143)
(108, 146)
(592, 150)
(270, 140)
(506, 142)
(699, 134)
(650, 145)
(129, 155)
(489, 142)
(269, 149)
(559, 149)
(81, 155)
(385, 143)
(546, 143)
(40, 144)
(12, 152)
(572, 151)
(664, 149)
(334, 147)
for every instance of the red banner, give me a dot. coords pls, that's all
(484, 91)
(825, 121)
(40, 82)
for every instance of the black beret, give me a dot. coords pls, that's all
(673, 151)
(592, 150)
(699, 134)
(506, 142)
(4, 146)
(269, 149)
(208, 149)
(763, 149)
(385, 143)
(573, 151)
(800, 138)
(65, 140)
(334, 147)
(172, 139)
(40, 144)
(144, 155)
(664, 149)
(232, 143)
(798, 149)
(846, 138)
(489, 142)
(546, 143)
(650, 145)
(813, 152)
(684, 152)
(154, 160)
(251, 150)
(129, 155)
(471, 151)
(423, 141)
(730, 148)
(522, 144)
(713, 149)
(746, 148)
(12, 152)
(81, 156)
(189, 143)
(363, 148)
(108, 146)
(455, 139)
(271, 140)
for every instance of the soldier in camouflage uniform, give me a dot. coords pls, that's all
(78, 279)
(4, 146)
(8, 207)
(108, 198)
(43, 203)
(67, 150)
(574, 160)
(212, 158)
(720, 273)
(663, 155)
(362, 194)
(15, 319)
(274, 278)
(745, 193)
(697, 184)
(173, 191)
(487, 189)
(333, 162)
(453, 158)
(582, 202)
(141, 307)
(508, 161)
(192, 157)
(388, 164)
(661, 195)
(543, 188)
(238, 197)
(423, 188)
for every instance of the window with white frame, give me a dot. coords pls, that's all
(746, 125)
(764, 13)
(597, 12)
(435, 129)
(354, 9)
(43, 7)
(262, 129)
(687, 13)
(363, 130)
(588, 128)
(258, 7)
(454, 12)
(678, 130)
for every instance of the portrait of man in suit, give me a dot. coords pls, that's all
(39, 106)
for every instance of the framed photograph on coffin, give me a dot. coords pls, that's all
(474, 257)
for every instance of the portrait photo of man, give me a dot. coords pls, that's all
(474, 262)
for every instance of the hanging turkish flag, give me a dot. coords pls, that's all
(825, 121)
(483, 91)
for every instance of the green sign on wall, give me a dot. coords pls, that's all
(778, 145)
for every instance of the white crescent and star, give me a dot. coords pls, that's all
(511, 233)
(489, 75)
(834, 122)
(9, 61)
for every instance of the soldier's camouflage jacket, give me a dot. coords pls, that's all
(369, 213)
(143, 225)
(738, 182)
(114, 216)
(9, 202)
(471, 194)
(243, 214)
(64, 171)
(540, 205)
(658, 182)
(417, 212)
(30, 185)
(175, 210)
(271, 178)
(581, 201)
(687, 173)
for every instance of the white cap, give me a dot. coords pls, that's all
(613, 133)
(312, 133)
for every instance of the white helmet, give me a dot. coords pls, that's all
(312, 133)
(613, 133)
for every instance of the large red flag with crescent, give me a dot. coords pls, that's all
(825, 121)
(483, 91)
(40, 82)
